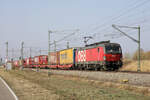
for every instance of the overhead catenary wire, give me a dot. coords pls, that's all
(141, 22)
(122, 14)
(100, 32)
(116, 17)
(109, 18)
(144, 21)
(106, 25)
(69, 35)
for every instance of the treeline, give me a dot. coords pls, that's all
(145, 55)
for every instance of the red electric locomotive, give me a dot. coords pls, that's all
(99, 56)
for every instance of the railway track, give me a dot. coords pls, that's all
(123, 77)
(132, 72)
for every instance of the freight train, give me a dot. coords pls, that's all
(98, 56)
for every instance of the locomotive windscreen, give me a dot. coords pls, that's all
(113, 49)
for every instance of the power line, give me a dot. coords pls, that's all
(110, 17)
(65, 37)
(139, 23)
(127, 11)
(135, 7)
(132, 9)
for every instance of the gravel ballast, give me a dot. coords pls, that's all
(128, 78)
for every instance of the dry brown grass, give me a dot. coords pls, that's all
(132, 66)
(136, 89)
(29, 85)
(25, 89)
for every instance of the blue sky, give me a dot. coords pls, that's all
(29, 21)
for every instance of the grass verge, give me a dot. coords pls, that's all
(29, 85)
(131, 65)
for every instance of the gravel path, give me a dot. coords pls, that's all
(128, 78)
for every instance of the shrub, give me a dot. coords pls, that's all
(144, 55)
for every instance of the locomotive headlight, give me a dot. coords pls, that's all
(104, 57)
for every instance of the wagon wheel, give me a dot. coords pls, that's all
(80, 68)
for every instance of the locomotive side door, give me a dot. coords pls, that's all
(101, 54)
(98, 50)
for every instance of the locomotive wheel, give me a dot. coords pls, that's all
(116, 68)
(96, 69)
(104, 68)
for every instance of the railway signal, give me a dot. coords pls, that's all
(133, 39)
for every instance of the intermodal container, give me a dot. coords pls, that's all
(29, 62)
(36, 60)
(67, 56)
(16, 63)
(43, 59)
(54, 58)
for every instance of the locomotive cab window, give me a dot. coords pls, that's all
(115, 49)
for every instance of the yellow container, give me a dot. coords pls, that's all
(66, 56)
